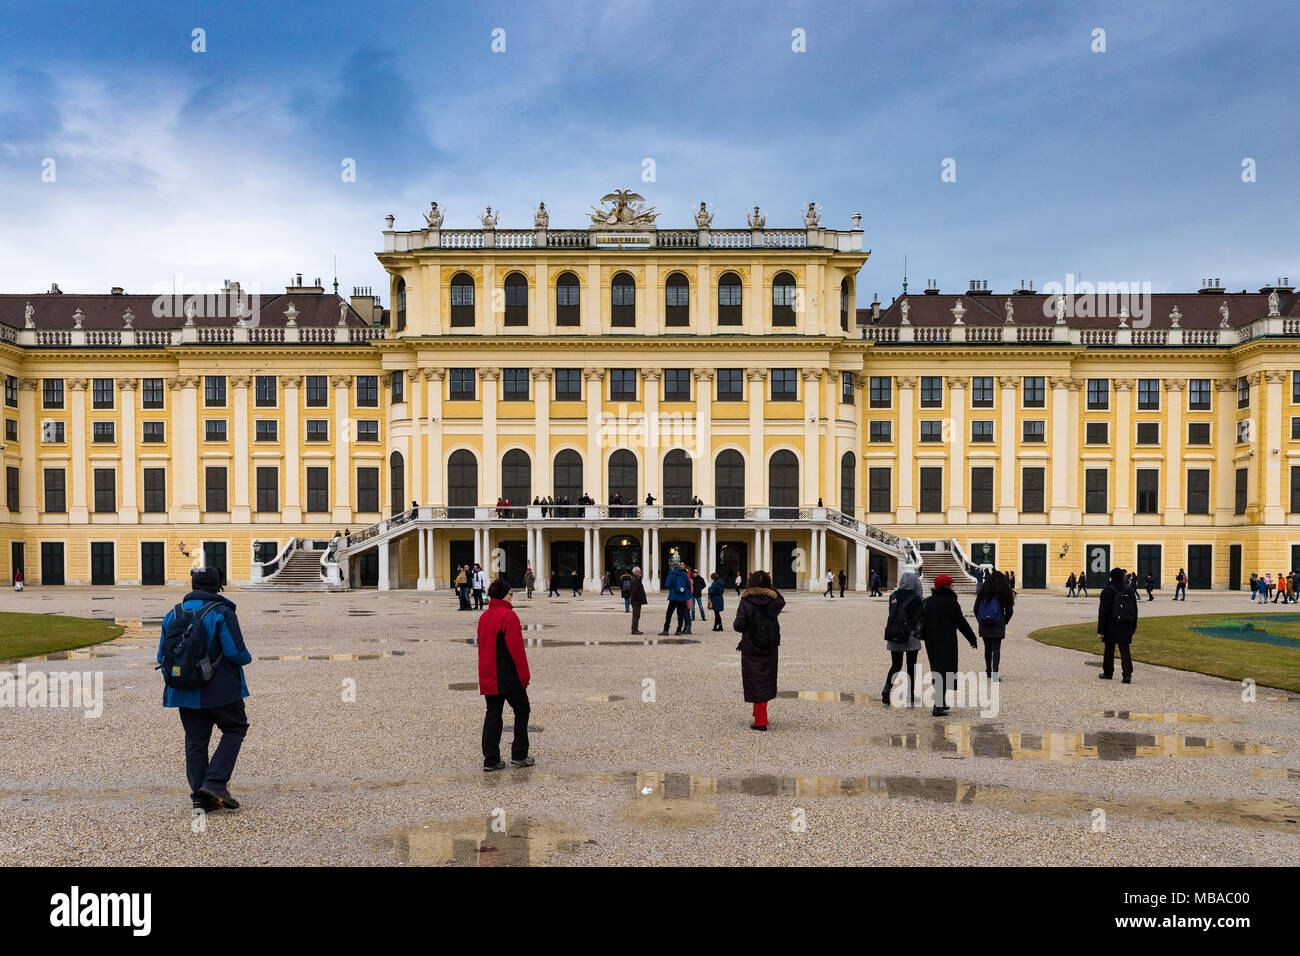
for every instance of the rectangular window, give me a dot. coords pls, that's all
(266, 429)
(568, 385)
(56, 500)
(731, 385)
(101, 393)
(11, 430)
(1149, 394)
(1033, 483)
(981, 490)
(11, 391)
(622, 384)
(214, 488)
(981, 392)
(318, 429)
(881, 392)
(785, 384)
(397, 388)
(1295, 429)
(151, 393)
(103, 433)
(1148, 433)
(105, 480)
(931, 430)
(1198, 395)
(1096, 433)
(1239, 496)
(981, 432)
(677, 384)
(931, 499)
(1098, 393)
(11, 488)
(318, 391)
(367, 391)
(1243, 392)
(1295, 388)
(1198, 433)
(931, 391)
(268, 489)
(367, 429)
(318, 490)
(1033, 431)
(1295, 489)
(880, 490)
(52, 393)
(1243, 431)
(1035, 392)
(846, 388)
(1095, 491)
(1198, 491)
(463, 387)
(368, 490)
(154, 433)
(214, 430)
(514, 384)
(1148, 491)
(53, 433)
(264, 391)
(214, 391)
(155, 490)
(879, 431)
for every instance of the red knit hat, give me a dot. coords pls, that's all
(942, 581)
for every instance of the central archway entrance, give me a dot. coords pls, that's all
(670, 551)
(622, 554)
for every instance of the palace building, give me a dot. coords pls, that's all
(709, 394)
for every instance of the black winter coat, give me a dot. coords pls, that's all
(943, 618)
(1114, 633)
(757, 668)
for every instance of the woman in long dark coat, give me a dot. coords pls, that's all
(943, 619)
(758, 666)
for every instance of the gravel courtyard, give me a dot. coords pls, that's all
(1183, 771)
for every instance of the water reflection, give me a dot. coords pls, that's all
(990, 740)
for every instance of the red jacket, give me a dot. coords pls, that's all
(500, 673)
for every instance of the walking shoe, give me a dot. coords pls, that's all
(939, 712)
(664, 632)
(1106, 676)
(1128, 680)
(526, 762)
(757, 727)
(499, 765)
(638, 632)
(205, 803)
(219, 793)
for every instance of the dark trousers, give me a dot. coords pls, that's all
(478, 599)
(896, 666)
(198, 722)
(463, 594)
(636, 617)
(992, 654)
(717, 619)
(682, 609)
(841, 590)
(1108, 659)
(1180, 589)
(943, 682)
(492, 723)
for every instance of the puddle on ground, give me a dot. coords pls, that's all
(551, 642)
(1275, 773)
(537, 627)
(989, 740)
(1159, 718)
(833, 697)
(268, 610)
(387, 640)
(353, 613)
(378, 655)
(59, 656)
(475, 841)
(603, 699)
(464, 685)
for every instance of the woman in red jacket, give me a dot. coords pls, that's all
(502, 677)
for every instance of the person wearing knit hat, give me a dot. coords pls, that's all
(943, 619)
(502, 677)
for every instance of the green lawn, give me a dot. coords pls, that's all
(22, 635)
(1267, 648)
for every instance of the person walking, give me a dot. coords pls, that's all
(554, 590)
(18, 579)
(830, 584)
(606, 583)
(1069, 585)
(903, 635)
(208, 689)
(739, 583)
(716, 588)
(1254, 586)
(1150, 586)
(876, 583)
(1117, 618)
(1280, 591)
(994, 605)
(637, 598)
(575, 581)
(462, 585)
(844, 580)
(478, 583)
(679, 600)
(757, 620)
(503, 678)
(1290, 587)
(1081, 585)
(530, 580)
(698, 586)
(625, 589)
(943, 619)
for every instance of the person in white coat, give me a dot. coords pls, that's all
(479, 581)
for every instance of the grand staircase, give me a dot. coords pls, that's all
(301, 572)
(935, 563)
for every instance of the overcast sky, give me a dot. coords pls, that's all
(1119, 165)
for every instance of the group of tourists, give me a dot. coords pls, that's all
(1264, 587)
(470, 584)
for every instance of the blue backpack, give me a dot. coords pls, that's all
(186, 663)
(990, 612)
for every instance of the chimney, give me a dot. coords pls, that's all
(1210, 287)
(365, 303)
(116, 290)
(298, 287)
(1023, 290)
(979, 287)
(54, 289)
(931, 287)
(875, 307)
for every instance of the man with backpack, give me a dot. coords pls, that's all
(1117, 618)
(875, 584)
(201, 655)
(680, 595)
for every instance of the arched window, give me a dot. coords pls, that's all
(567, 475)
(622, 301)
(516, 301)
(784, 294)
(730, 294)
(567, 292)
(397, 482)
(848, 482)
(623, 476)
(677, 296)
(462, 300)
(678, 493)
(783, 485)
(729, 483)
(844, 305)
(462, 483)
(517, 480)
(401, 304)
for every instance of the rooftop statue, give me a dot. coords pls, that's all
(623, 207)
(541, 218)
(756, 219)
(812, 216)
(1011, 311)
(703, 217)
(1223, 311)
(27, 317)
(434, 216)
(489, 218)
(1273, 302)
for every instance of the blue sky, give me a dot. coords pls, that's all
(1122, 165)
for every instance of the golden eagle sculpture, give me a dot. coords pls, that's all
(623, 207)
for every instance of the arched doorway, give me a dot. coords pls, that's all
(729, 484)
(566, 475)
(623, 476)
(462, 483)
(517, 481)
(848, 482)
(677, 485)
(622, 554)
(783, 485)
(397, 482)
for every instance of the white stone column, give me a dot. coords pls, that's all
(905, 441)
(1123, 450)
(78, 513)
(490, 489)
(291, 511)
(185, 428)
(1007, 508)
(756, 490)
(957, 450)
(653, 563)
(860, 566)
(422, 581)
(1172, 508)
(1224, 434)
(542, 472)
(1270, 450)
(593, 471)
(810, 471)
(821, 558)
(129, 511)
(650, 378)
(829, 490)
(240, 511)
(27, 399)
(342, 451)
(1075, 440)
(436, 470)
(480, 546)
(384, 584)
(1062, 450)
(417, 408)
(702, 454)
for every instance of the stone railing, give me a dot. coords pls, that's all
(785, 238)
(515, 239)
(8, 334)
(678, 239)
(730, 238)
(194, 335)
(1270, 326)
(839, 240)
